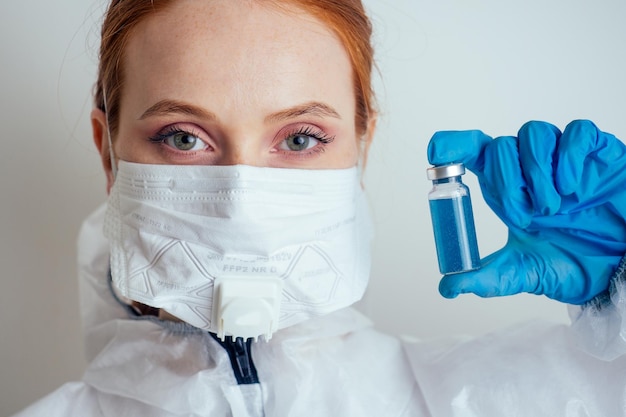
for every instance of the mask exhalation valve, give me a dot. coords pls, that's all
(247, 307)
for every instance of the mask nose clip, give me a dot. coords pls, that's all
(247, 307)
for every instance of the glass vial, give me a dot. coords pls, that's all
(453, 220)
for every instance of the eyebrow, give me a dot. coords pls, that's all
(312, 108)
(165, 107)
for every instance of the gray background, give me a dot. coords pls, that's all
(445, 64)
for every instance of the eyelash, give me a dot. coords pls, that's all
(315, 133)
(162, 135)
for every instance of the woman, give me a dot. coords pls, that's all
(231, 133)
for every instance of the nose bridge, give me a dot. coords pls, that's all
(240, 150)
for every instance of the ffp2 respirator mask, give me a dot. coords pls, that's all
(239, 250)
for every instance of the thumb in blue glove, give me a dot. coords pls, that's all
(563, 199)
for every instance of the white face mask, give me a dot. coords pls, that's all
(239, 250)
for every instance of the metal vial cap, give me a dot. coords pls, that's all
(445, 171)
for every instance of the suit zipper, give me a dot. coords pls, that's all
(240, 354)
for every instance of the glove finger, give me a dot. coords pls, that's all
(464, 146)
(501, 274)
(579, 139)
(537, 145)
(503, 184)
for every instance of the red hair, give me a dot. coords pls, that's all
(346, 18)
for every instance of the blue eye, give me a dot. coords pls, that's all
(304, 139)
(185, 142)
(180, 140)
(299, 142)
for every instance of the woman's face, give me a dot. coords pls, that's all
(235, 82)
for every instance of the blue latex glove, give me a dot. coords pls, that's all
(563, 198)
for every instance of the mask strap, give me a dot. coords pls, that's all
(106, 115)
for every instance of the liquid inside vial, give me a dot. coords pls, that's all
(455, 234)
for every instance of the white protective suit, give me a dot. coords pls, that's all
(339, 365)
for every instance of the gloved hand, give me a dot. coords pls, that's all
(563, 198)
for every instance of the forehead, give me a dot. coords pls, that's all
(232, 47)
